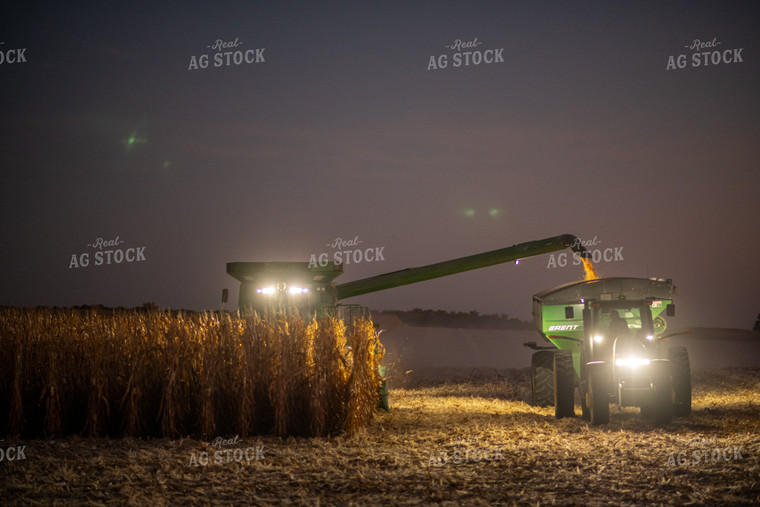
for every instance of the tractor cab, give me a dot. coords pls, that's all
(616, 327)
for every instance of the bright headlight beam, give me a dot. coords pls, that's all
(632, 362)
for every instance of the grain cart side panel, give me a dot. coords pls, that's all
(558, 311)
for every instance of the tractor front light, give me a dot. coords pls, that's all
(267, 291)
(650, 337)
(632, 362)
(598, 338)
(298, 290)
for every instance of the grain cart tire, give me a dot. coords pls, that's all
(542, 377)
(564, 384)
(598, 396)
(680, 373)
(662, 392)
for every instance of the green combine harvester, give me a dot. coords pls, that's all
(311, 288)
(574, 318)
(606, 340)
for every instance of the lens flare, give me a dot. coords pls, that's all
(133, 140)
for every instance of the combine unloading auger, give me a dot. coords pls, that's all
(312, 287)
(462, 264)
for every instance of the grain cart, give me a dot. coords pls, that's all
(605, 337)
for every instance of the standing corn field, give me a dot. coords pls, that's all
(159, 373)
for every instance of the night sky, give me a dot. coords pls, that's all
(341, 122)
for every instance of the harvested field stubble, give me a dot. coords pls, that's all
(150, 373)
(467, 442)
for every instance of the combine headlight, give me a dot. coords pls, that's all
(267, 291)
(632, 362)
(298, 290)
(598, 338)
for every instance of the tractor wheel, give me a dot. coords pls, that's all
(564, 384)
(680, 372)
(582, 390)
(662, 392)
(598, 396)
(542, 377)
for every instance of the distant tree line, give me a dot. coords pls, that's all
(462, 320)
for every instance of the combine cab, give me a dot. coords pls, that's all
(606, 342)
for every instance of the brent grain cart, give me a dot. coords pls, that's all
(606, 341)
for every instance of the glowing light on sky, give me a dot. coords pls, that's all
(133, 140)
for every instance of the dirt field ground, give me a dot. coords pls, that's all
(469, 440)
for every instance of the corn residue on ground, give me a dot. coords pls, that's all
(462, 442)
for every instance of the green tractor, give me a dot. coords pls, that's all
(606, 341)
